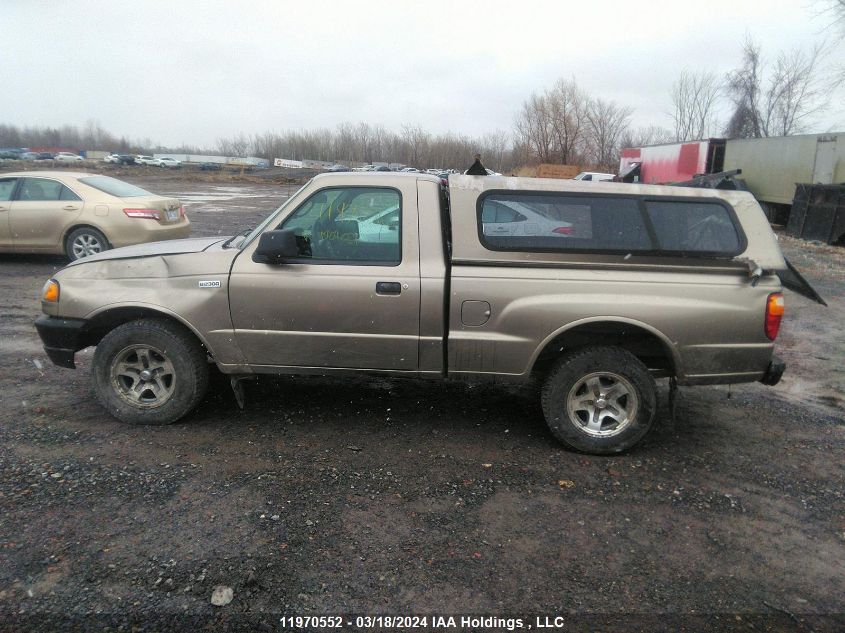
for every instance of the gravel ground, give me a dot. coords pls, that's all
(389, 496)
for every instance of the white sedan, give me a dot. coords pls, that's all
(511, 219)
(166, 161)
(381, 227)
(67, 157)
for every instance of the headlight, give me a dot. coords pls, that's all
(50, 292)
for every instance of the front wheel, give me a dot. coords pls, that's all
(85, 241)
(150, 371)
(599, 400)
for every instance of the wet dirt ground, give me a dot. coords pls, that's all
(386, 496)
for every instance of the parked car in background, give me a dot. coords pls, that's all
(338, 168)
(380, 226)
(511, 218)
(169, 162)
(210, 167)
(142, 159)
(125, 159)
(79, 214)
(67, 157)
(410, 170)
(29, 155)
(44, 156)
(112, 158)
(381, 168)
(594, 176)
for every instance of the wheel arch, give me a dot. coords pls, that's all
(104, 320)
(645, 342)
(82, 225)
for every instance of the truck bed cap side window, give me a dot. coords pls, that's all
(565, 222)
(692, 226)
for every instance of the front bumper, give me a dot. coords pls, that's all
(773, 372)
(62, 338)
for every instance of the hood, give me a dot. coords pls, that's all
(167, 247)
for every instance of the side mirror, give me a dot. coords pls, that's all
(276, 246)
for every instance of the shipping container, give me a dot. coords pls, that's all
(771, 167)
(674, 162)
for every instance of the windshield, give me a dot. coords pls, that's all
(258, 229)
(114, 187)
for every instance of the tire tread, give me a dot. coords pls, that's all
(614, 359)
(142, 330)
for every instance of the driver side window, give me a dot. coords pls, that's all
(349, 225)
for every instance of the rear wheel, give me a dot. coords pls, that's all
(599, 400)
(150, 371)
(85, 241)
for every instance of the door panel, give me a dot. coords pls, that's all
(327, 312)
(42, 211)
(825, 163)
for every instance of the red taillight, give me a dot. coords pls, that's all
(181, 212)
(149, 214)
(563, 230)
(774, 313)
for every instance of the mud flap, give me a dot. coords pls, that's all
(238, 389)
(673, 399)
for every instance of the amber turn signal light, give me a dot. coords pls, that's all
(51, 291)
(774, 313)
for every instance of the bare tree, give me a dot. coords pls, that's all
(493, 148)
(235, 146)
(606, 122)
(694, 99)
(567, 105)
(417, 140)
(347, 143)
(651, 135)
(743, 88)
(534, 127)
(834, 11)
(796, 90)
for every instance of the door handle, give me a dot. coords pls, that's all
(70, 207)
(388, 288)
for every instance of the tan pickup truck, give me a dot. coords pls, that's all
(593, 290)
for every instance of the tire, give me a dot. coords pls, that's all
(614, 421)
(174, 362)
(85, 241)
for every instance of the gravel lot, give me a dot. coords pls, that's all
(388, 496)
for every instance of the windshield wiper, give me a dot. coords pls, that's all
(234, 237)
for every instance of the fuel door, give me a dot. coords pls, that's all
(475, 313)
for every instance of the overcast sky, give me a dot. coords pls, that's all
(193, 71)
